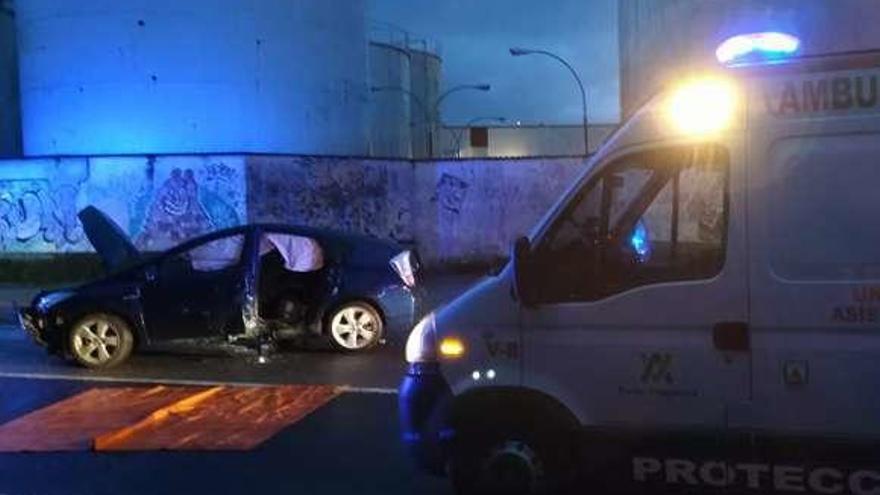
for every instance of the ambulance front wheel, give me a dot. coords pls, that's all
(508, 462)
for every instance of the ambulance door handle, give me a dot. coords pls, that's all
(731, 336)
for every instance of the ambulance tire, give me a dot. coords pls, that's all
(508, 461)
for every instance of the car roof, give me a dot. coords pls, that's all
(333, 240)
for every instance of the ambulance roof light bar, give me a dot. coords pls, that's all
(767, 47)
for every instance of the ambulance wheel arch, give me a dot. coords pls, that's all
(476, 403)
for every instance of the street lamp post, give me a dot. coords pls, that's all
(439, 101)
(432, 115)
(518, 52)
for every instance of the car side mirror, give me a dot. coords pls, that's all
(522, 269)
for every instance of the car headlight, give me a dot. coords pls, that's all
(421, 346)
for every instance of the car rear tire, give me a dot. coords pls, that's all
(100, 340)
(355, 327)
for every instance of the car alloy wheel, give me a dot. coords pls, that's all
(355, 327)
(100, 341)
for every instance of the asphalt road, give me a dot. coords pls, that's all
(349, 445)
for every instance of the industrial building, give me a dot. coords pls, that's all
(494, 139)
(661, 40)
(163, 76)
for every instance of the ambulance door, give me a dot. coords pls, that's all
(815, 276)
(640, 319)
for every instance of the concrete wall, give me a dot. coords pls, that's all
(471, 210)
(463, 211)
(201, 76)
(662, 39)
(373, 197)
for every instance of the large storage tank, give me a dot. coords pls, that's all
(390, 106)
(659, 39)
(171, 76)
(10, 139)
(425, 72)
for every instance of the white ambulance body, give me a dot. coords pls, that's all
(702, 308)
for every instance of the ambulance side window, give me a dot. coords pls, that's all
(680, 233)
(649, 218)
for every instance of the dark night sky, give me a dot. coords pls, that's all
(475, 36)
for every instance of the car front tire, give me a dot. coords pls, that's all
(100, 341)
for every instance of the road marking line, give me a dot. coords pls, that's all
(183, 382)
(368, 390)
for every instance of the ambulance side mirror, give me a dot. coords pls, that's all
(524, 282)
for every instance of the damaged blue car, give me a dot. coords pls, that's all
(251, 285)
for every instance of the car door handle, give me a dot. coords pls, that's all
(731, 336)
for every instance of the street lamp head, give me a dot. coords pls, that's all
(518, 52)
(483, 87)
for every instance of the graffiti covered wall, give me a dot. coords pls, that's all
(371, 197)
(471, 210)
(158, 202)
(465, 211)
(38, 205)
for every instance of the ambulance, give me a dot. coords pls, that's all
(699, 313)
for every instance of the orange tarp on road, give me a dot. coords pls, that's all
(164, 418)
(220, 419)
(73, 423)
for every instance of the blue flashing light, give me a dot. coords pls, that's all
(639, 242)
(757, 47)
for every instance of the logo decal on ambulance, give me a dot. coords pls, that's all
(657, 368)
(796, 373)
(657, 376)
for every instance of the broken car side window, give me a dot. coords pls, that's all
(216, 255)
(299, 254)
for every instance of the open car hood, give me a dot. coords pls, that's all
(109, 240)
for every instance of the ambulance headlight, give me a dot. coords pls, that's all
(703, 106)
(421, 346)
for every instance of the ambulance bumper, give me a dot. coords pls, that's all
(424, 402)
